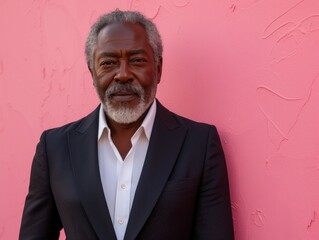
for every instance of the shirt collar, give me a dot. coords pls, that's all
(147, 124)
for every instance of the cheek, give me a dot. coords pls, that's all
(146, 78)
(100, 89)
(101, 83)
(102, 78)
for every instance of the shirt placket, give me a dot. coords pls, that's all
(123, 189)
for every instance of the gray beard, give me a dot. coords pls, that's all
(123, 113)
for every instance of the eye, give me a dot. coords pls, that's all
(138, 60)
(108, 63)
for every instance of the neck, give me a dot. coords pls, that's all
(121, 134)
(124, 129)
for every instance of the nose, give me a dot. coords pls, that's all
(123, 73)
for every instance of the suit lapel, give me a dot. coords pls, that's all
(84, 160)
(165, 144)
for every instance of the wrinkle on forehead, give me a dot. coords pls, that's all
(121, 32)
(122, 37)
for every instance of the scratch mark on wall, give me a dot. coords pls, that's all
(292, 36)
(181, 3)
(2, 122)
(232, 7)
(34, 15)
(93, 17)
(267, 32)
(314, 219)
(288, 45)
(240, 215)
(44, 74)
(66, 68)
(156, 14)
(244, 4)
(281, 111)
(1, 231)
(235, 209)
(134, 4)
(271, 94)
(150, 8)
(235, 206)
(258, 218)
(47, 95)
(64, 48)
(1, 67)
(286, 27)
(310, 24)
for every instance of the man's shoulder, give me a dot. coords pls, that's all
(196, 127)
(78, 125)
(190, 122)
(180, 120)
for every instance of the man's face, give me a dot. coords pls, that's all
(124, 71)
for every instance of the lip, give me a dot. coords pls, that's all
(124, 96)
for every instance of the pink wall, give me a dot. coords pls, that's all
(248, 66)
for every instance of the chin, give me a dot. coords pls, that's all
(128, 112)
(124, 113)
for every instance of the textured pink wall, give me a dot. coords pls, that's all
(248, 66)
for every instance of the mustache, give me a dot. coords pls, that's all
(124, 87)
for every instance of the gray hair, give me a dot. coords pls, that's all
(118, 16)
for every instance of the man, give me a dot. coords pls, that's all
(131, 169)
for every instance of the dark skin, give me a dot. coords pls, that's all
(124, 55)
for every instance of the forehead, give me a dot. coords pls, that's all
(122, 36)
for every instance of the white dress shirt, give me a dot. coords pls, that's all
(120, 177)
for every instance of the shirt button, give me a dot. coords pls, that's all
(123, 186)
(121, 221)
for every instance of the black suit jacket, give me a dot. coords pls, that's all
(182, 192)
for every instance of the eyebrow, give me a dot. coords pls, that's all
(108, 54)
(116, 55)
(135, 52)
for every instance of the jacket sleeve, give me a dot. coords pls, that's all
(40, 218)
(213, 218)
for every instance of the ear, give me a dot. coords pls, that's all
(159, 68)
